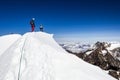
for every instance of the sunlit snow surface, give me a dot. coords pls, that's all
(36, 56)
(7, 40)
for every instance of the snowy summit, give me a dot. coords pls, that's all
(37, 56)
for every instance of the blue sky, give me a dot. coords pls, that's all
(86, 19)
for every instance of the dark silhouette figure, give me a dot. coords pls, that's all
(41, 28)
(32, 24)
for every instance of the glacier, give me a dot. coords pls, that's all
(37, 56)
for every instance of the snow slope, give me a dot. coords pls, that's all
(36, 56)
(7, 41)
(114, 45)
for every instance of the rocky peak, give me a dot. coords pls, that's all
(99, 46)
(100, 56)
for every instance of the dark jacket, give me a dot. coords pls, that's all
(32, 22)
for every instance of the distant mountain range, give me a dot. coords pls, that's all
(106, 55)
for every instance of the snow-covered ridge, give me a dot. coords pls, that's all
(37, 56)
(114, 45)
(7, 40)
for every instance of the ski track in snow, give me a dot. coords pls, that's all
(44, 68)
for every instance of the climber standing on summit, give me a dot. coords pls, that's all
(41, 28)
(32, 24)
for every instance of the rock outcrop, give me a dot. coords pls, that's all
(103, 58)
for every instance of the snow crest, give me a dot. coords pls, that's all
(6, 41)
(36, 56)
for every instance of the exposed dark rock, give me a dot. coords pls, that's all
(114, 63)
(116, 52)
(115, 74)
(105, 61)
(92, 58)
